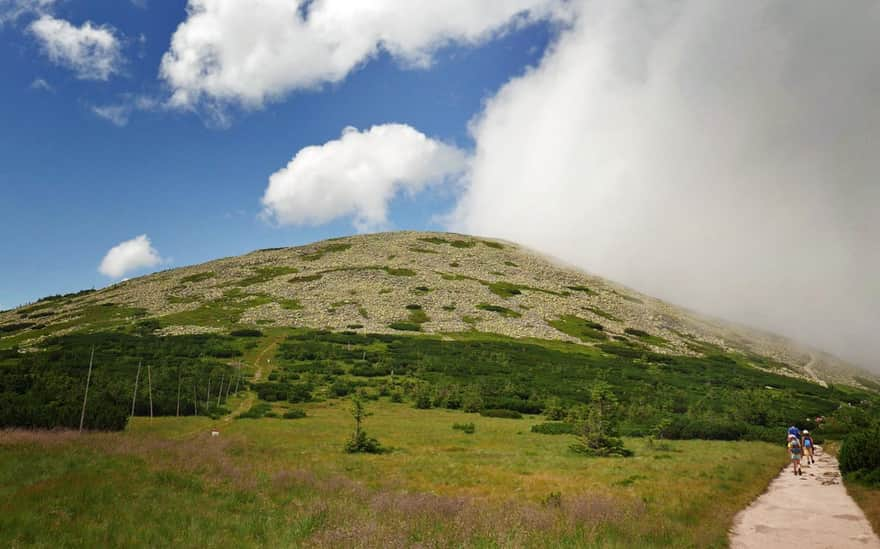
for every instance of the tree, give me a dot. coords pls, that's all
(597, 430)
(359, 441)
(553, 409)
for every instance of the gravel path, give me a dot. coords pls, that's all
(807, 511)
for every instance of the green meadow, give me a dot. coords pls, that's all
(277, 482)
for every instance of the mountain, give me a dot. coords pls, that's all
(416, 282)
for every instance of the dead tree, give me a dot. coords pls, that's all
(150, 386)
(178, 389)
(134, 394)
(82, 416)
(220, 392)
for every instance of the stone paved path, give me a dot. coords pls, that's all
(808, 511)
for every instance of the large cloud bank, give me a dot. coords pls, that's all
(128, 256)
(722, 155)
(248, 52)
(358, 175)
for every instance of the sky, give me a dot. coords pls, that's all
(719, 155)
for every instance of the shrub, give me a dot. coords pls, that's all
(256, 411)
(294, 413)
(503, 311)
(396, 396)
(405, 326)
(467, 428)
(553, 410)
(860, 452)
(246, 332)
(299, 392)
(423, 398)
(554, 428)
(501, 412)
(581, 328)
(399, 272)
(198, 277)
(340, 388)
(505, 289)
(682, 428)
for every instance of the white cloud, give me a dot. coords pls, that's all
(41, 84)
(358, 175)
(92, 52)
(120, 113)
(250, 52)
(116, 114)
(128, 256)
(722, 155)
(10, 10)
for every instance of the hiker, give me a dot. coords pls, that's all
(794, 449)
(794, 431)
(807, 443)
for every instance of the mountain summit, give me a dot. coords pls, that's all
(416, 282)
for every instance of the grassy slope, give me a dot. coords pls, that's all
(867, 497)
(280, 482)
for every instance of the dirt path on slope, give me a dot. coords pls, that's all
(808, 511)
(808, 367)
(260, 362)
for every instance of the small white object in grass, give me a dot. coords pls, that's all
(215, 433)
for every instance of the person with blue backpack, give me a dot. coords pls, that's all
(808, 446)
(794, 450)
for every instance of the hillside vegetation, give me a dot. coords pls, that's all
(445, 321)
(482, 371)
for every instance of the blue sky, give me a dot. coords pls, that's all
(74, 184)
(718, 155)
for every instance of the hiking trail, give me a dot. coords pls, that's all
(259, 363)
(808, 511)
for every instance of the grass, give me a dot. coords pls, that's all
(575, 326)
(321, 252)
(868, 499)
(456, 243)
(290, 304)
(272, 482)
(417, 314)
(221, 312)
(265, 274)
(602, 313)
(583, 289)
(399, 271)
(422, 250)
(503, 311)
(406, 326)
(305, 278)
(646, 337)
(198, 277)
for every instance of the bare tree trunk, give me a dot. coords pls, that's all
(228, 385)
(208, 396)
(220, 392)
(237, 379)
(150, 385)
(82, 416)
(134, 395)
(195, 401)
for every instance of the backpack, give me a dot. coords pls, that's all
(794, 446)
(808, 441)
